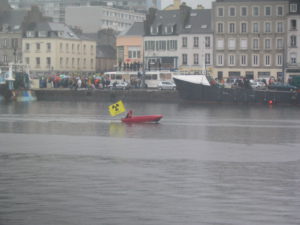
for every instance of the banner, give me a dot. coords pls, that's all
(116, 109)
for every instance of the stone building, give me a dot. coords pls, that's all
(293, 47)
(179, 39)
(10, 34)
(249, 38)
(51, 48)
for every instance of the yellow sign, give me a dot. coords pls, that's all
(116, 109)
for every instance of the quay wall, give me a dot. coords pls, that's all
(137, 95)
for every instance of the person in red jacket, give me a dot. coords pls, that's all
(129, 114)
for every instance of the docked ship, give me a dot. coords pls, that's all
(203, 89)
(15, 83)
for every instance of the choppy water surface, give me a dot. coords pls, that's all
(71, 163)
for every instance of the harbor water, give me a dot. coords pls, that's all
(70, 163)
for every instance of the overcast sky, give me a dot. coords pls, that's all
(192, 3)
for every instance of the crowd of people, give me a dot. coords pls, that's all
(83, 82)
(74, 82)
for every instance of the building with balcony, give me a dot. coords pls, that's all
(249, 38)
(52, 48)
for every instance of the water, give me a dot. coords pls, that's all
(71, 163)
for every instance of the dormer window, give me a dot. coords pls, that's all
(154, 30)
(42, 34)
(169, 29)
(60, 33)
(30, 34)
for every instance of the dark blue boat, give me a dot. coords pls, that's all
(200, 88)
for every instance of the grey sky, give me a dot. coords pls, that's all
(192, 3)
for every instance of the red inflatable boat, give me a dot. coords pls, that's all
(142, 119)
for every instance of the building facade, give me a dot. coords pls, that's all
(53, 48)
(101, 17)
(10, 46)
(130, 46)
(293, 46)
(11, 36)
(179, 40)
(249, 37)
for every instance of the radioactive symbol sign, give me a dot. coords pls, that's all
(116, 108)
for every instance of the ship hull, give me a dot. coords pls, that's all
(217, 94)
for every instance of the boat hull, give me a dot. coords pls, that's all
(217, 94)
(142, 119)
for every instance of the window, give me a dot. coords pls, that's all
(267, 43)
(267, 27)
(5, 58)
(231, 27)
(244, 44)
(293, 7)
(255, 28)
(255, 11)
(48, 47)
(207, 42)
(231, 43)
(255, 44)
(255, 60)
(172, 45)
(279, 27)
(279, 43)
(231, 11)
(196, 59)
(293, 41)
(220, 28)
(48, 61)
(38, 46)
(279, 60)
(184, 42)
(27, 46)
(184, 59)
(244, 27)
(267, 60)
(220, 44)
(220, 12)
(243, 60)
(61, 61)
(293, 24)
(231, 60)
(27, 60)
(196, 42)
(61, 47)
(279, 10)
(220, 60)
(244, 11)
(268, 11)
(293, 57)
(30, 34)
(38, 61)
(207, 59)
